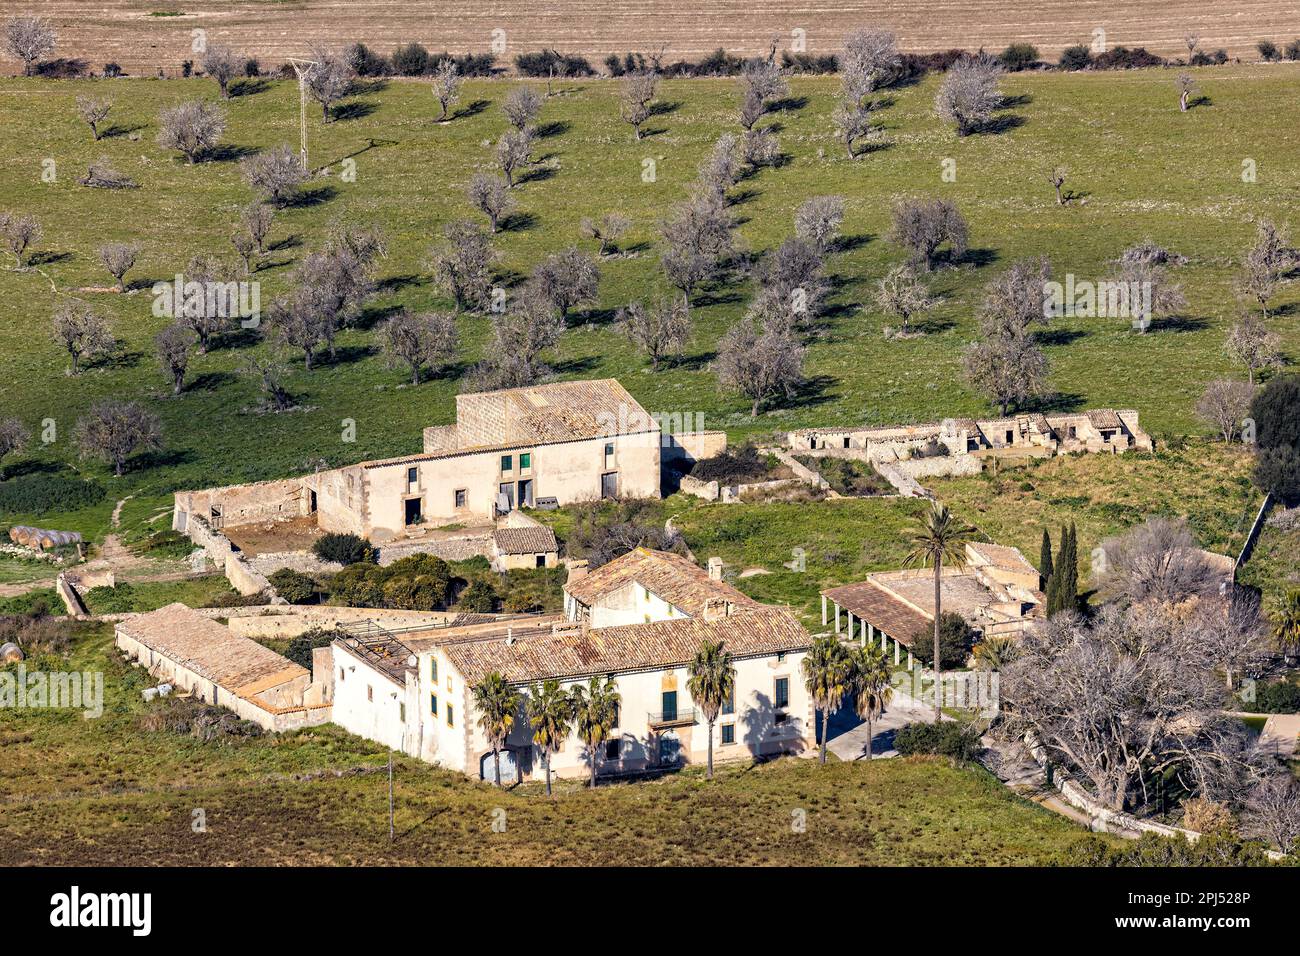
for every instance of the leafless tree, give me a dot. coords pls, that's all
(300, 321)
(28, 39)
(329, 80)
(82, 332)
(446, 86)
(222, 65)
(923, 225)
(101, 174)
(275, 173)
(1121, 701)
(901, 294)
(462, 264)
(658, 330)
(519, 337)
(246, 248)
(113, 430)
(760, 147)
(13, 438)
(818, 220)
(1009, 368)
(199, 316)
(759, 363)
(173, 346)
(1266, 265)
(566, 279)
(522, 106)
(514, 152)
(1014, 301)
(1273, 810)
(1253, 345)
(1186, 87)
(118, 258)
(969, 93)
(853, 123)
(761, 83)
(697, 241)
(19, 233)
(491, 196)
(1232, 632)
(419, 340)
(869, 61)
(271, 375)
(792, 283)
(1057, 178)
(638, 92)
(93, 112)
(192, 129)
(1162, 297)
(1191, 41)
(607, 230)
(256, 221)
(721, 169)
(1157, 561)
(1224, 405)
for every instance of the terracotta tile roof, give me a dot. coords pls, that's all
(1104, 418)
(658, 645)
(882, 610)
(678, 580)
(242, 666)
(524, 540)
(562, 411)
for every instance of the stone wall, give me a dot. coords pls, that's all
(940, 466)
(242, 576)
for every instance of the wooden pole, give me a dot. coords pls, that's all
(390, 798)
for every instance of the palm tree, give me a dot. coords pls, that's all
(871, 683)
(550, 714)
(826, 674)
(937, 538)
(497, 703)
(595, 707)
(995, 653)
(712, 681)
(1286, 624)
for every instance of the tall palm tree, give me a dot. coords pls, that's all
(827, 673)
(550, 714)
(995, 653)
(497, 703)
(871, 684)
(595, 707)
(937, 539)
(712, 681)
(1286, 624)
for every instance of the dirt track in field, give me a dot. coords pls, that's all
(125, 32)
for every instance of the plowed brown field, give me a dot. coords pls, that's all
(131, 33)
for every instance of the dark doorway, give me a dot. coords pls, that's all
(526, 493)
(507, 489)
(412, 511)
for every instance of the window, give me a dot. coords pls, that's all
(370, 693)
(609, 449)
(462, 497)
(342, 674)
(412, 475)
(450, 721)
(541, 560)
(728, 733)
(618, 710)
(729, 705)
(448, 682)
(526, 460)
(782, 696)
(613, 748)
(780, 657)
(670, 705)
(401, 712)
(507, 462)
(433, 704)
(433, 670)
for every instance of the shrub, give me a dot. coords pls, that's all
(949, 738)
(956, 639)
(605, 530)
(295, 587)
(36, 494)
(300, 648)
(366, 62)
(1076, 57)
(1293, 50)
(252, 68)
(410, 60)
(480, 597)
(106, 600)
(194, 719)
(37, 633)
(343, 548)
(1268, 50)
(729, 468)
(809, 62)
(1207, 816)
(34, 604)
(542, 64)
(1278, 697)
(1019, 56)
(1122, 58)
(421, 582)
(112, 70)
(1217, 58)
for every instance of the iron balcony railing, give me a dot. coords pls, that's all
(682, 715)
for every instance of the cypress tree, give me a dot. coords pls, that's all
(1045, 561)
(1070, 586)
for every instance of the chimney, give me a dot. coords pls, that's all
(715, 569)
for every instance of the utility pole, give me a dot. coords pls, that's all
(303, 68)
(390, 797)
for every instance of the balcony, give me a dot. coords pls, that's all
(681, 717)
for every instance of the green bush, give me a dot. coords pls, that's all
(1268, 50)
(106, 600)
(480, 597)
(300, 648)
(295, 587)
(36, 494)
(1019, 56)
(343, 548)
(410, 60)
(421, 582)
(950, 738)
(1076, 57)
(1278, 697)
(956, 638)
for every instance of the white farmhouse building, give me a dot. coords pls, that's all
(639, 619)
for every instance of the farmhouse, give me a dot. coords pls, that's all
(639, 619)
(996, 592)
(204, 659)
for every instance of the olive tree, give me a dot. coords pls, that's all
(419, 340)
(114, 430)
(28, 39)
(93, 112)
(82, 332)
(969, 93)
(192, 129)
(118, 258)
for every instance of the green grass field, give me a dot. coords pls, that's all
(73, 793)
(1144, 169)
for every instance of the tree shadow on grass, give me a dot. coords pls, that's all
(249, 87)
(697, 362)
(553, 128)
(1058, 402)
(118, 129)
(306, 198)
(996, 125)
(517, 222)
(1178, 323)
(396, 283)
(665, 107)
(788, 104)
(536, 176)
(228, 153)
(575, 366)
(1059, 336)
(372, 315)
(351, 354)
(357, 109)
(292, 241)
(208, 382)
(473, 109)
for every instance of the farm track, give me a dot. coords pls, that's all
(124, 31)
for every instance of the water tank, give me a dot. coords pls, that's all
(10, 653)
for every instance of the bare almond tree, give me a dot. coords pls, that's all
(522, 106)
(1273, 810)
(902, 295)
(102, 174)
(113, 430)
(1186, 86)
(969, 93)
(419, 340)
(519, 337)
(1224, 405)
(328, 80)
(192, 129)
(721, 168)
(303, 321)
(118, 258)
(14, 437)
(760, 147)
(1162, 297)
(697, 242)
(868, 62)
(514, 152)
(1157, 561)
(93, 112)
(1057, 178)
(657, 330)
(173, 346)
(760, 363)
(462, 264)
(276, 174)
(1009, 368)
(82, 332)
(28, 39)
(222, 65)
(1251, 343)
(271, 374)
(566, 279)
(636, 95)
(1233, 633)
(200, 315)
(255, 221)
(1266, 264)
(1014, 301)
(491, 196)
(818, 220)
(792, 283)
(446, 86)
(19, 233)
(922, 226)
(853, 124)
(607, 230)
(761, 84)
